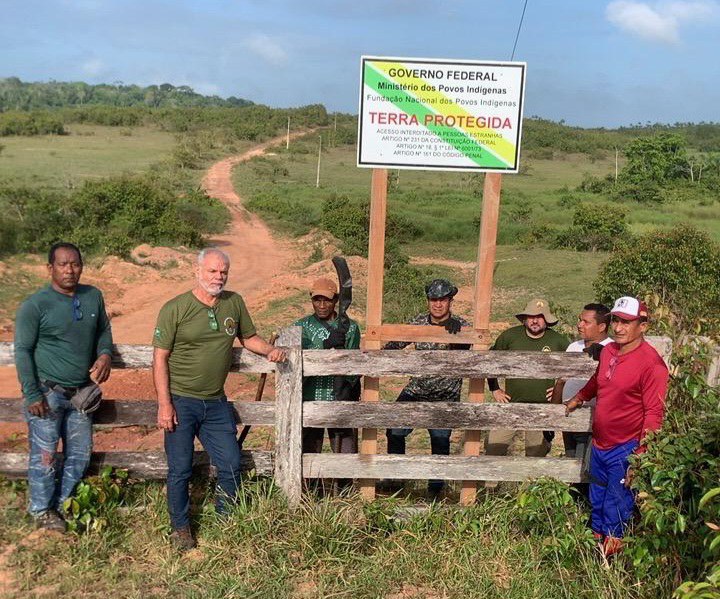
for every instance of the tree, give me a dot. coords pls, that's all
(656, 159)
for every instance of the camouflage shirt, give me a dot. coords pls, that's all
(432, 388)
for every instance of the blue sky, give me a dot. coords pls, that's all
(590, 62)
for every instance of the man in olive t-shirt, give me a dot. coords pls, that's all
(192, 354)
(533, 335)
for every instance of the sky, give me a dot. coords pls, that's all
(590, 63)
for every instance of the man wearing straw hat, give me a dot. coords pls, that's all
(534, 334)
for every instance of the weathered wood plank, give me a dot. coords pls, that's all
(352, 414)
(288, 417)
(140, 356)
(141, 464)
(456, 415)
(144, 412)
(412, 333)
(394, 363)
(420, 467)
(475, 364)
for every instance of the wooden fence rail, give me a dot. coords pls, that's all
(288, 414)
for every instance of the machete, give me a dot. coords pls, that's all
(344, 390)
(345, 295)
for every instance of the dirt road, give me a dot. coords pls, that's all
(135, 293)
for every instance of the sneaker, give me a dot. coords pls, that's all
(182, 539)
(50, 520)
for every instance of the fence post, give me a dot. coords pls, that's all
(288, 417)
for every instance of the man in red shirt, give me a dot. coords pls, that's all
(630, 385)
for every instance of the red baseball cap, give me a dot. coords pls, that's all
(629, 308)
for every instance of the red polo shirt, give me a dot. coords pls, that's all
(630, 391)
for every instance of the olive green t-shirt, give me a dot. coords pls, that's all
(516, 339)
(200, 339)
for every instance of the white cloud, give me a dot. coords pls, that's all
(94, 67)
(660, 21)
(266, 48)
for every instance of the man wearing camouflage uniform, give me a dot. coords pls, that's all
(440, 294)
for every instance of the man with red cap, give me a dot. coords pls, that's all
(630, 385)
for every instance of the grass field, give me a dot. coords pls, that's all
(88, 152)
(327, 548)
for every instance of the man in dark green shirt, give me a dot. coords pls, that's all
(321, 330)
(192, 354)
(534, 334)
(63, 343)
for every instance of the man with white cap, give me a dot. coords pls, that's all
(534, 334)
(630, 385)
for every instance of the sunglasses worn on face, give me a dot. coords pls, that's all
(213, 319)
(77, 313)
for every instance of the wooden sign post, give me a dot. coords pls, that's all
(483, 304)
(376, 271)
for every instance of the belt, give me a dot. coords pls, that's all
(67, 391)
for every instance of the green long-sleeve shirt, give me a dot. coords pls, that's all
(56, 342)
(321, 388)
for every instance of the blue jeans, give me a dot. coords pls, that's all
(52, 478)
(612, 502)
(213, 422)
(439, 441)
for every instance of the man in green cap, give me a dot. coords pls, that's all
(534, 334)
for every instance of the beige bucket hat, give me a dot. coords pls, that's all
(536, 307)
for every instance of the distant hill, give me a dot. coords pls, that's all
(19, 95)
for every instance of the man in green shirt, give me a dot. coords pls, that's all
(63, 344)
(321, 330)
(534, 334)
(192, 355)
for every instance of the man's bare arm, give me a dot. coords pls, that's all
(258, 345)
(167, 419)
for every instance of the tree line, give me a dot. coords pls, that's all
(19, 95)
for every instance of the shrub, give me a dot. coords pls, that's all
(33, 123)
(110, 216)
(95, 499)
(596, 227)
(681, 266)
(349, 221)
(676, 478)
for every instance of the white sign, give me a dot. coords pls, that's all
(418, 113)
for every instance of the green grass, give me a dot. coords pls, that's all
(88, 152)
(338, 547)
(16, 285)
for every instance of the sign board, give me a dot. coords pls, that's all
(418, 113)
